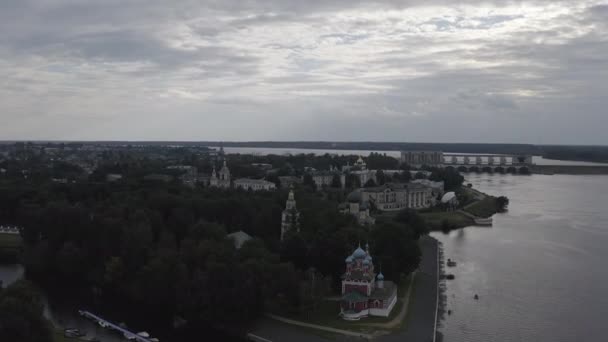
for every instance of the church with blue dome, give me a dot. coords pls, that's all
(365, 293)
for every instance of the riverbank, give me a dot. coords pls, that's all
(446, 220)
(569, 170)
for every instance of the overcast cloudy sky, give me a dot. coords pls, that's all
(426, 70)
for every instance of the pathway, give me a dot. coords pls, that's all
(421, 323)
(319, 327)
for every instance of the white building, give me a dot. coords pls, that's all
(420, 158)
(437, 188)
(254, 184)
(396, 196)
(326, 178)
(9, 230)
(449, 200)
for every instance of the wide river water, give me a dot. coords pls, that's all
(540, 271)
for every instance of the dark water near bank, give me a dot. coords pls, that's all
(540, 271)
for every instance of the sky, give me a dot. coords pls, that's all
(334, 70)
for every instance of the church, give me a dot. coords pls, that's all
(221, 179)
(363, 292)
(290, 217)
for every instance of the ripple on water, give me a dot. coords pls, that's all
(538, 270)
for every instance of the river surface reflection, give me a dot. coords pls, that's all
(539, 271)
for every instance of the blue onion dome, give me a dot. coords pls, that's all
(368, 257)
(366, 262)
(359, 253)
(380, 276)
(349, 259)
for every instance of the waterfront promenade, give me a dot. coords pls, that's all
(420, 326)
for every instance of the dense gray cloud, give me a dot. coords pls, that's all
(480, 71)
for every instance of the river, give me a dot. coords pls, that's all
(540, 271)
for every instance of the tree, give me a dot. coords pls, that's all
(293, 249)
(380, 177)
(502, 203)
(396, 250)
(21, 318)
(309, 181)
(381, 161)
(336, 182)
(412, 219)
(370, 183)
(451, 178)
(403, 176)
(352, 181)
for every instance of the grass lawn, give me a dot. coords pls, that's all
(484, 208)
(10, 241)
(10, 245)
(454, 219)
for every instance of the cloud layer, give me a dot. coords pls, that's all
(525, 71)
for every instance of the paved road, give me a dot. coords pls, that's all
(421, 319)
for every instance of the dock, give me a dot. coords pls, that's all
(107, 324)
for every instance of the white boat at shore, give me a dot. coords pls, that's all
(483, 221)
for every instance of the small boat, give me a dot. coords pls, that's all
(476, 296)
(103, 324)
(143, 334)
(483, 221)
(154, 339)
(449, 312)
(451, 263)
(450, 277)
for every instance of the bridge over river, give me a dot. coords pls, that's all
(469, 162)
(488, 162)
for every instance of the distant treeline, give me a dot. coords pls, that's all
(388, 146)
(581, 153)
(562, 152)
